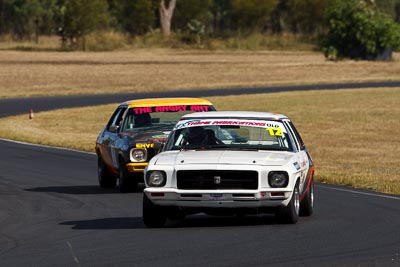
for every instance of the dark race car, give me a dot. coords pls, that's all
(135, 133)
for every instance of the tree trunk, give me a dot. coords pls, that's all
(166, 16)
(370, 2)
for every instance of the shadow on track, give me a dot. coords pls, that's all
(74, 190)
(201, 220)
(107, 223)
(189, 222)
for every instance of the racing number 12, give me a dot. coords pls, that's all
(275, 131)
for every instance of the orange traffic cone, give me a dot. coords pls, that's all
(31, 114)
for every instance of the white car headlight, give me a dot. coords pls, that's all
(156, 178)
(138, 154)
(278, 178)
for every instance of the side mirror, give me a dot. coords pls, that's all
(114, 128)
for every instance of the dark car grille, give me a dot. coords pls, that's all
(151, 153)
(217, 179)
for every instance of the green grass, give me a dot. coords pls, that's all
(352, 135)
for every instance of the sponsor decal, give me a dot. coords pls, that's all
(175, 108)
(160, 136)
(190, 123)
(198, 108)
(274, 128)
(170, 108)
(240, 123)
(145, 145)
(142, 110)
(275, 131)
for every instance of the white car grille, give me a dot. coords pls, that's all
(217, 179)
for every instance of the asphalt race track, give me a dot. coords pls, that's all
(52, 213)
(14, 106)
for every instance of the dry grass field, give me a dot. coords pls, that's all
(65, 73)
(352, 135)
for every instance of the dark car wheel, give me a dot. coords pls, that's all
(127, 181)
(290, 213)
(153, 215)
(307, 205)
(105, 179)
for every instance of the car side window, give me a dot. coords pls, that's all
(292, 135)
(302, 145)
(129, 121)
(296, 134)
(116, 118)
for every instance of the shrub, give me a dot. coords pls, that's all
(105, 41)
(359, 31)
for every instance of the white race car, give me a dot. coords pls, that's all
(230, 162)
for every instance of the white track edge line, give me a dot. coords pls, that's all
(358, 192)
(46, 146)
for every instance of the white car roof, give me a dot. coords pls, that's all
(236, 115)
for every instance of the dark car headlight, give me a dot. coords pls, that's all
(278, 178)
(156, 178)
(138, 154)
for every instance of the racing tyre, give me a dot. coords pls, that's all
(153, 215)
(105, 179)
(127, 181)
(307, 205)
(290, 213)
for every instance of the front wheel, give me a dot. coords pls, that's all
(307, 205)
(153, 215)
(127, 181)
(104, 177)
(290, 213)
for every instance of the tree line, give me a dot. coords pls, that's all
(74, 19)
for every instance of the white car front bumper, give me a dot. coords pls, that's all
(219, 198)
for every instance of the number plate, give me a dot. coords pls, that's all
(216, 196)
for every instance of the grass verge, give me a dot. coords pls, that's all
(352, 135)
(26, 73)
